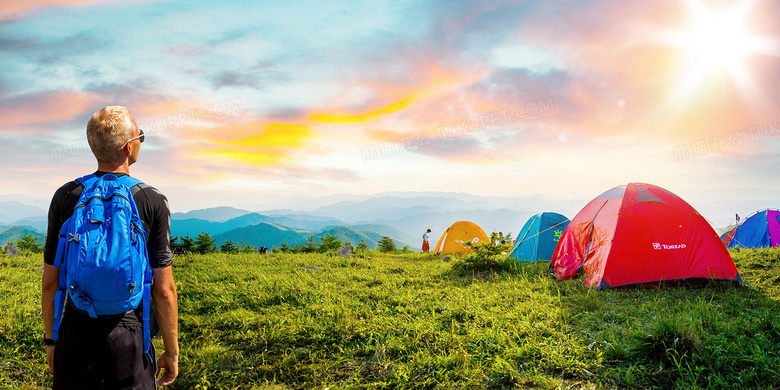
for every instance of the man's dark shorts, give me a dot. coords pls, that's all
(106, 355)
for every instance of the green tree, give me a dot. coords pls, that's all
(29, 244)
(386, 244)
(228, 247)
(329, 243)
(310, 245)
(362, 246)
(246, 248)
(187, 244)
(175, 244)
(285, 248)
(204, 243)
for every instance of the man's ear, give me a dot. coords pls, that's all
(127, 149)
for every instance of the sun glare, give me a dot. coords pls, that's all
(717, 43)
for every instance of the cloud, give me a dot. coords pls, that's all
(12, 10)
(19, 111)
(14, 45)
(274, 136)
(346, 118)
(257, 76)
(233, 78)
(50, 62)
(267, 145)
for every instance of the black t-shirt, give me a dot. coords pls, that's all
(154, 213)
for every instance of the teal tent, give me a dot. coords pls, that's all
(539, 236)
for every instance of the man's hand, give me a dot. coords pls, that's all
(169, 366)
(50, 357)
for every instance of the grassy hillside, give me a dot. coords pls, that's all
(268, 235)
(13, 233)
(193, 226)
(264, 234)
(387, 321)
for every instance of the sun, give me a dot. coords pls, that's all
(718, 40)
(717, 44)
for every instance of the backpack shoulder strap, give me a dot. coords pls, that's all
(129, 181)
(87, 179)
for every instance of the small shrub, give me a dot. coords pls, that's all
(484, 258)
(361, 246)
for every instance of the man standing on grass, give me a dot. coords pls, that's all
(108, 352)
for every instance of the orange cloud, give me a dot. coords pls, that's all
(380, 135)
(342, 118)
(432, 81)
(263, 159)
(273, 146)
(277, 135)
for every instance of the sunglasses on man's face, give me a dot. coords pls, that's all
(139, 138)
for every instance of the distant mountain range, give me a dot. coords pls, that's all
(263, 230)
(403, 216)
(214, 214)
(270, 235)
(11, 212)
(193, 226)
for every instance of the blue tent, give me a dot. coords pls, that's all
(759, 230)
(539, 236)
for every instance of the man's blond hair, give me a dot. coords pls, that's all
(108, 130)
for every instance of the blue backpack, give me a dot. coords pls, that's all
(101, 253)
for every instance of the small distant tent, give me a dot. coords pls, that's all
(641, 234)
(539, 236)
(453, 239)
(760, 230)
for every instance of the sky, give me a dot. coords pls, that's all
(261, 104)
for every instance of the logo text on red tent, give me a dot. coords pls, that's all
(658, 246)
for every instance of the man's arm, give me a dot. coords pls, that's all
(167, 312)
(49, 286)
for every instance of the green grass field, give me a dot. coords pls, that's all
(377, 321)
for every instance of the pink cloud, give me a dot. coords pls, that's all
(12, 9)
(45, 107)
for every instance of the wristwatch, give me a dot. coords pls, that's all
(49, 341)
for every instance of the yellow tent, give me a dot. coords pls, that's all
(453, 239)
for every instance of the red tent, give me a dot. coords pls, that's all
(640, 233)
